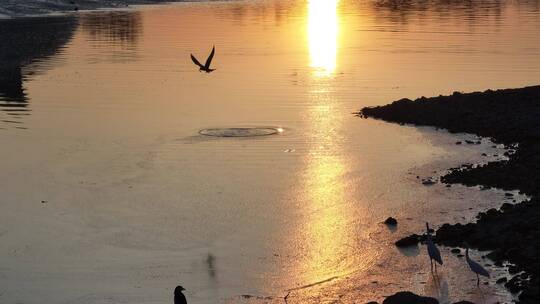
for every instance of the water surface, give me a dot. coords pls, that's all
(111, 195)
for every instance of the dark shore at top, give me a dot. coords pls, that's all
(20, 8)
(510, 117)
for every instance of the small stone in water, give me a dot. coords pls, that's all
(428, 182)
(390, 221)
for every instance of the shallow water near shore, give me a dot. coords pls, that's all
(111, 194)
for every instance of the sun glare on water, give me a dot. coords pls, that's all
(323, 35)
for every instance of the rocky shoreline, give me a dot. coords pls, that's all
(510, 117)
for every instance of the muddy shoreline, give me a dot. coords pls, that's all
(510, 117)
(15, 8)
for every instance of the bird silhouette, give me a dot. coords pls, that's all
(206, 67)
(179, 297)
(475, 267)
(433, 251)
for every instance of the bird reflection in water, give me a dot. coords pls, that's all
(437, 287)
(210, 260)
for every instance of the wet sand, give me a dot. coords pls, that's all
(509, 117)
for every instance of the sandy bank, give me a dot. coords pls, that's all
(17, 8)
(509, 117)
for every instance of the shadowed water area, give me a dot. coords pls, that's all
(125, 171)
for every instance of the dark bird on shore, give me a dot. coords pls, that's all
(179, 297)
(206, 67)
(475, 267)
(433, 251)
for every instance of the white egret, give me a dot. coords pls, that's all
(433, 251)
(475, 267)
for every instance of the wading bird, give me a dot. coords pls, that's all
(206, 67)
(179, 297)
(475, 267)
(433, 251)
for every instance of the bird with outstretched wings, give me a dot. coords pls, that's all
(206, 67)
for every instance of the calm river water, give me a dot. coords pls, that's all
(109, 194)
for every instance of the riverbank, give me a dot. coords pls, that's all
(509, 117)
(16, 8)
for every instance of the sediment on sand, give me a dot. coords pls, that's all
(510, 117)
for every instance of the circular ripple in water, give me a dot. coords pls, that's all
(240, 132)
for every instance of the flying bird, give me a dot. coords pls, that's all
(475, 267)
(206, 67)
(179, 297)
(433, 251)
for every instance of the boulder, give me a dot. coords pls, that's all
(407, 297)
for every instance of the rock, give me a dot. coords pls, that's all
(513, 231)
(512, 269)
(513, 253)
(407, 297)
(411, 240)
(495, 255)
(428, 182)
(506, 206)
(514, 285)
(530, 295)
(502, 280)
(390, 221)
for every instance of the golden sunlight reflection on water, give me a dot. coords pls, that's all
(326, 222)
(323, 32)
(326, 228)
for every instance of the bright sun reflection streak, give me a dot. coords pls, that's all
(323, 35)
(327, 221)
